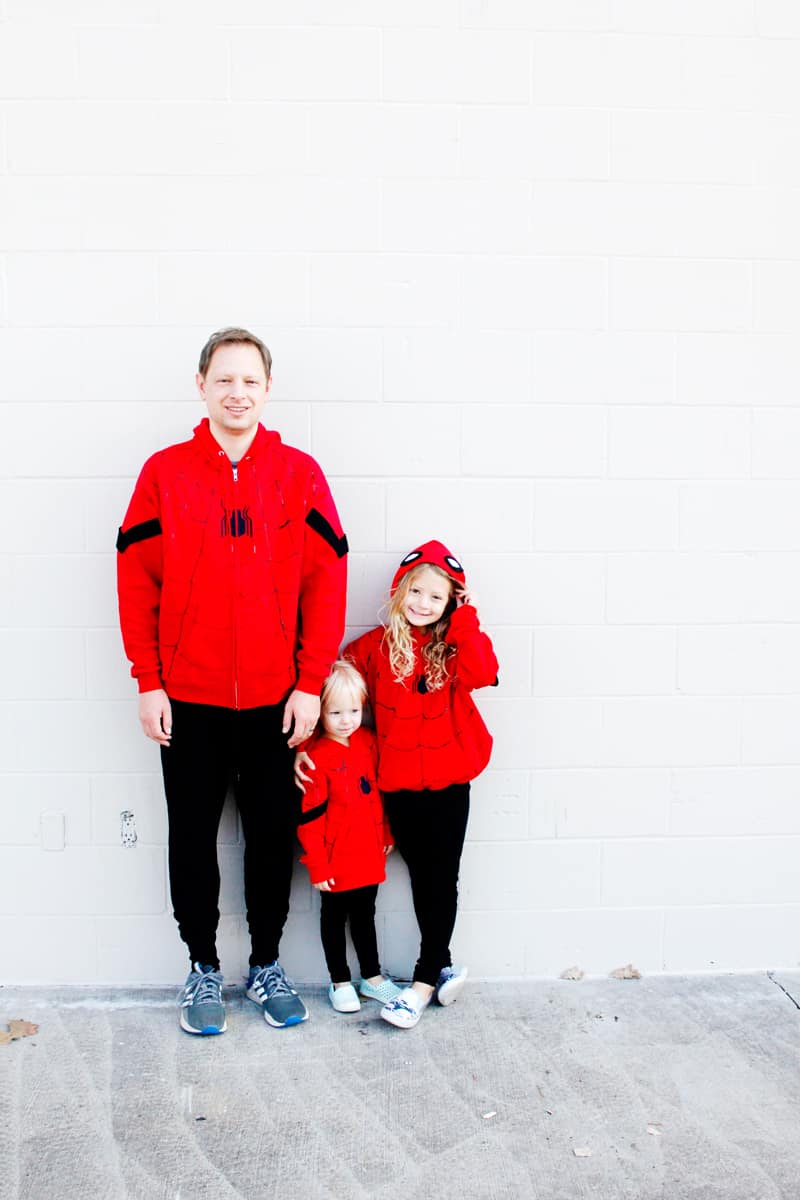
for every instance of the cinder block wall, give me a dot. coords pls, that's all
(530, 272)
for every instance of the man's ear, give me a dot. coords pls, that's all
(201, 385)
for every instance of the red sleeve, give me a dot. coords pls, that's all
(139, 576)
(372, 749)
(311, 829)
(323, 587)
(356, 653)
(476, 664)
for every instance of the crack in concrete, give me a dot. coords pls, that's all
(783, 989)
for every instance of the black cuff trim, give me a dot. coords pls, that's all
(138, 533)
(323, 527)
(313, 813)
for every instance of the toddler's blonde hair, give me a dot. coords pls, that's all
(342, 678)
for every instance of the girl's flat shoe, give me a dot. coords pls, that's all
(344, 999)
(384, 992)
(450, 984)
(406, 1010)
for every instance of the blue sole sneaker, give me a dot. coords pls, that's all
(273, 992)
(201, 1009)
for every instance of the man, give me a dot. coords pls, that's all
(231, 581)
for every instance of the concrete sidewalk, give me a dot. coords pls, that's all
(686, 1088)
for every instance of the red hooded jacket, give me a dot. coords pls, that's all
(429, 739)
(342, 828)
(231, 581)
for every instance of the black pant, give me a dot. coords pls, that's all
(358, 905)
(429, 829)
(210, 749)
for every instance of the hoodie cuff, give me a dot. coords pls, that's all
(151, 682)
(463, 619)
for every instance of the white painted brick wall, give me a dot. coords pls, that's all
(530, 272)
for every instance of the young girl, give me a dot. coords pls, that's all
(346, 839)
(420, 671)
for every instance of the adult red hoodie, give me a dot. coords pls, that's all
(231, 580)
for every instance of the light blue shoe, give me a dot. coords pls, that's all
(449, 984)
(384, 992)
(344, 999)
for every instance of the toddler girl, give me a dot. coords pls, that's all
(346, 839)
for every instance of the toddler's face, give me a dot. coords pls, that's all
(341, 717)
(426, 598)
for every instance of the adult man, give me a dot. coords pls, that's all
(231, 581)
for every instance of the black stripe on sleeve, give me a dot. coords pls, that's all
(138, 533)
(313, 813)
(323, 527)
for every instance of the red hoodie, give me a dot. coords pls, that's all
(342, 829)
(231, 581)
(429, 739)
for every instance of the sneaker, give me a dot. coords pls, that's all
(344, 999)
(269, 987)
(386, 991)
(405, 1010)
(202, 1010)
(451, 981)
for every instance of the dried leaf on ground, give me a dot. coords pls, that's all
(572, 973)
(582, 1152)
(17, 1029)
(627, 972)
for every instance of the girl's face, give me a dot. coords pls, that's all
(341, 715)
(426, 597)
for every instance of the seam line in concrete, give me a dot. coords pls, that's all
(783, 989)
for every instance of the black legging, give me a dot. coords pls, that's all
(210, 749)
(359, 905)
(429, 829)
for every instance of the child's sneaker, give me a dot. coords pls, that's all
(344, 998)
(384, 992)
(405, 1010)
(449, 985)
(202, 1010)
(270, 988)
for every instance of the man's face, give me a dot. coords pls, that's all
(234, 388)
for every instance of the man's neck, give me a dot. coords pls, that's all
(235, 445)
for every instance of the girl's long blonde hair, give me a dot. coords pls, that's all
(399, 640)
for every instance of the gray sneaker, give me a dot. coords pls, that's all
(202, 1010)
(269, 988)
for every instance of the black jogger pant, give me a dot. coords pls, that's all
(429, 829)
(357, 904)
(212, 748)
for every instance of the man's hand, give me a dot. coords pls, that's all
(303, 709)
(301, 760)
(325, 885)
(155, 716)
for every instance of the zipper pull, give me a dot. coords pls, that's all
(235, 472)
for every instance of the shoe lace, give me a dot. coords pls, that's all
(204, 988)
(271, 981)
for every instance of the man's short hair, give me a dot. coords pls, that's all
(232, 336)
